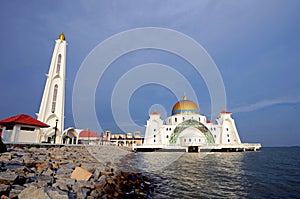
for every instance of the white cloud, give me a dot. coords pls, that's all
(266, 103)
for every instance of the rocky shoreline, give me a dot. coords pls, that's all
(45, 172)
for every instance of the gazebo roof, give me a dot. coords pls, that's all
(23, 119)
(88, 133)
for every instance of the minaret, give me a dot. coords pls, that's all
(52, 105)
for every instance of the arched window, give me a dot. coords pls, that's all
(58, 64)
(54, 98)
(175, 119)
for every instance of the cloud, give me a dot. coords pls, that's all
(266, 103)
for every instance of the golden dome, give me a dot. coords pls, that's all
(62, 36)
(185, 107)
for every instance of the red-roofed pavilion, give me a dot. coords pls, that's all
(21, 128)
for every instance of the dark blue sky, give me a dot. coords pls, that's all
(255, 45)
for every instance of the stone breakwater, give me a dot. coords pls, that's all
(46, 173)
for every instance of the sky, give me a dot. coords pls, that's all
(254, 44)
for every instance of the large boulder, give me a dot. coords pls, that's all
(8, 178)
(33, 192)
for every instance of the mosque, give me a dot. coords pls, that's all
(186, 129)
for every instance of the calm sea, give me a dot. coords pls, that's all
(268, 173)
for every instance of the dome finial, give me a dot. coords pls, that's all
(184, 96)
(62, 36)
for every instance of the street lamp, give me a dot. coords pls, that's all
(55, 129)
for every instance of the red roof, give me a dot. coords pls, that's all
(22, 119)
(208, 121)
(225, 112)
(88, 133)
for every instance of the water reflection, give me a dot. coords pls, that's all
(192, 174)
(149, 162)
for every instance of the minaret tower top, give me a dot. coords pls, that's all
(62, 36)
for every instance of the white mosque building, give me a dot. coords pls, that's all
(186, 129)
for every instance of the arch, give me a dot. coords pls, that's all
(70, 136)
(49, 133)
(188, 124)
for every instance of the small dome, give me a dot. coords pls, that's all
(185, 107)
(62, 36)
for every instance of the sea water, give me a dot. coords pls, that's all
(268, 173)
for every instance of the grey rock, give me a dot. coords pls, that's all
(45, 180)
(56, 193)
(33, 192)
(97, 173)
(61, 186)
(64, 184)
(15, 191)
(63, 171)
(94, 193)
(102, 180)
(48, 172)
(84, 191)
(76, 189)
(81, 196)
(85, 184)
(7, 177)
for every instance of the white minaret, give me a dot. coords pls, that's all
(52, 105)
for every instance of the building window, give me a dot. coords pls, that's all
(215, 136)
(154, 130)
(24, 128)
(199, 119)
(226, 129)
(199, 140)
(175, 119)
(154, 135)
(54, 98)
(190, 140)
(228, 140)
(58, 64)
(227, 135)
(154, 140)
(9, 127)
(184, 140)
(167, 136)
(183, 118)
